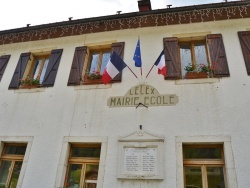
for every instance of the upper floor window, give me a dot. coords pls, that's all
(83, 166)
(89, 63)
(195, 54)
(3, 64)
(10, 164)
(36, 69)
(97, 61)
(204, 166)
(39, 67)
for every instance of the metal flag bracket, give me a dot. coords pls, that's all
(142, 105)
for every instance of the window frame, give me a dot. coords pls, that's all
(23, 67)
(11, 157)
(216, 55)
(65, 153)
(36, 57)
(204, 163)
(8, 140)
(225, 140)
(81, 161)
(80, 61)
(192, 41)
(101, 49)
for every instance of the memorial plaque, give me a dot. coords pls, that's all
(141, 160)
(141, 157)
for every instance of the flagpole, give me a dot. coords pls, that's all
(132, 71)
(150, 70)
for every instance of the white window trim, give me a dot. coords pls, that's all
(231, 179)
(63, 162)
(18, 139)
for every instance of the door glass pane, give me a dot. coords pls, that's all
(215, 177)
(15, 174)
(193, 177)
(91, 174)
(200, 53)
(105, 60)
(15, 150)
(202, 153)
(185, 52)
(4, 171)
(86, 152)
(74, 176)
(45, 66)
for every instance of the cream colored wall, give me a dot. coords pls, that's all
(220, 108)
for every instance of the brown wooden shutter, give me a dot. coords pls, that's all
(19, 71)
(119, 49)
(75, 76)
(171, 51)
(244, 37)
(218, 55)
(50, 74)
(3, 64)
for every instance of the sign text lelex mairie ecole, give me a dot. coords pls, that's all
(144, 94)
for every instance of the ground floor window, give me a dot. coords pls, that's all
(11, 161)
(83, 166)
(204, 166)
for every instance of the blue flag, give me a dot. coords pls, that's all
(137, 55)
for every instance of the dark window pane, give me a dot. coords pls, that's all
(4, 171)
(86, 152)
(185, 53)
(193, 178)
(91, 174)
(200, 53)
(74, 176)
(215, 177)
(15, 150)
(202, 153)
(15, 174)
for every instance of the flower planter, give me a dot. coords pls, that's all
(196, 75)
(30, 86)
(92, 81)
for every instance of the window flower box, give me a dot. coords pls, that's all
(29, 83)
(199, 71)
(195, 75)
(92, 78)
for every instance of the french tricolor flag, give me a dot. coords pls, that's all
(160, 63)
(114, 67)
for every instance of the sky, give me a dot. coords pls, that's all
(18, 13)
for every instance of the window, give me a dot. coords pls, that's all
(38, 67)
(10, 164)
(3, 64)
(207, 50)
(204, 166)
(193, 53)
(97, 61)
(35, 69)
(89, 63)
(83, 166)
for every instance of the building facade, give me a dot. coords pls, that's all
(61, 127)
